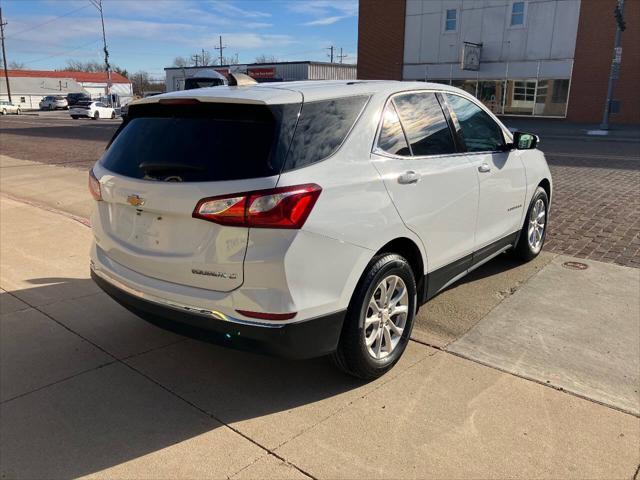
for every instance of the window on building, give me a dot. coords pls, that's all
(524, 91)
(424, 123)
(451, 20)
(517, 13)
(23, 99)
(480, 132)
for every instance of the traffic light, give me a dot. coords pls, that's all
(619, 18)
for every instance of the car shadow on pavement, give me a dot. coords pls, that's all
(89, 409)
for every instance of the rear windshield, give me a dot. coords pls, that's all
(215, 142)
(196, 143)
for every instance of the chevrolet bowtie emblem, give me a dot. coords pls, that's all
(135, 200)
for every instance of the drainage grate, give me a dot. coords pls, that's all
(575, 265)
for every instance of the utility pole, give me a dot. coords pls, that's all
(195, 58)
(330, 55)
(221, 48)
(98, 5)
(341, 56)
(614, 72)
(204, 64)
(4, 54)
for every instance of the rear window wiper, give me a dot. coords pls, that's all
(164, 166)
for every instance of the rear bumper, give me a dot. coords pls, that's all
(305, 339)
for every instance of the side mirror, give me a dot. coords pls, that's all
(525, 141)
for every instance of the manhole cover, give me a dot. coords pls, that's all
(575, 265)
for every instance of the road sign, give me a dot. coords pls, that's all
(617, 58)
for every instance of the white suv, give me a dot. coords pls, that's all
(309, 218)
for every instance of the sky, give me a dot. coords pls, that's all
(146, 35)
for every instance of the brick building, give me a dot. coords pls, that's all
(547, 58)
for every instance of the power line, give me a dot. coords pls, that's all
(330, 55)
(221, 48)
(33, 27)
(61, 54)
(341, 56)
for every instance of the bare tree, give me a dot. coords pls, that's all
(266, 59)
(14, 65)
(91, 66)
(80, 66)
(142, 82)
(181, 62)
(203, 58)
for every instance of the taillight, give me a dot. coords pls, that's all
(284, 207)
(94, 187)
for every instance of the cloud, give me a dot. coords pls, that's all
(249, 40)
(323, 8)
(325, 21)
(230, 9)
(258, 25)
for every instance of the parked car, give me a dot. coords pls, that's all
(311, 218)
(124, 110)
(54, 102)
(75, 98)
(7, 107)
(94, 110)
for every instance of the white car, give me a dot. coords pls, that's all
(94, 110)
(309, 218)
(53, 102)
(7, 107)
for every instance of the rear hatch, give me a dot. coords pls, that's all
(162, 162)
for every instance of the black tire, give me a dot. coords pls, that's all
(18, 112)
(75, 117)
(524, 250)
(4, 111)
(51, 107)
(352, 356)
(96, 116)
(113, 115)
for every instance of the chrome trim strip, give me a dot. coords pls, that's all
(214, 314)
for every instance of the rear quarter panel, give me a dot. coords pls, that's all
(354, 208)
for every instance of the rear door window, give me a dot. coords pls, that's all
(479, 131)
(424, 124)
(392, 139)
(322, 128)
(201, 143)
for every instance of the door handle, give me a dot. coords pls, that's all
(409, 177)
(484, 168)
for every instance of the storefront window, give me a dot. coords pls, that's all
(466, 85)
(490, 93)
(551, 97)
(522, 96)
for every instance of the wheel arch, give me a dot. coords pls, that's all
(546, 184)
(411, 252)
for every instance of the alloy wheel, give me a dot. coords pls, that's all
(386, 317)
(537, 223)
